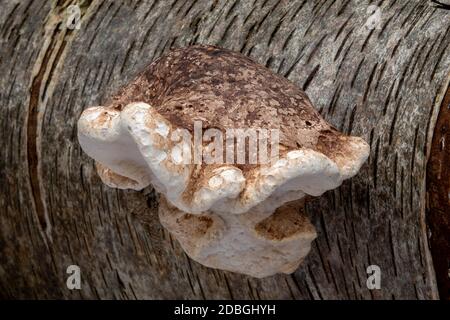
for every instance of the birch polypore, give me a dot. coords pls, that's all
(242, 217)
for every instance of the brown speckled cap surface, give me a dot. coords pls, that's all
(225, 89)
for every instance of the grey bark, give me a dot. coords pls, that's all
(384, 84)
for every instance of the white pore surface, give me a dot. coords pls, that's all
(240, 249)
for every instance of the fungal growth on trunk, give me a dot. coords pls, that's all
(232, 150)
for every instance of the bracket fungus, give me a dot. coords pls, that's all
(237, 213)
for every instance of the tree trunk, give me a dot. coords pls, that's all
(385, 82)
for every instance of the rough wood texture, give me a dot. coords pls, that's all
(386, 85)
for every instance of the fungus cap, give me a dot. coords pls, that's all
(146, 135)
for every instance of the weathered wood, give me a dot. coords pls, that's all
(384, 84)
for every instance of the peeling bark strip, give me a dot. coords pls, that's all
(378, 83)
(438, 195)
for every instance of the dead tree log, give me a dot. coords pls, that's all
(380, 77)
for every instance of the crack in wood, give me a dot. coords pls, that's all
(32, 136)
(38, 93)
